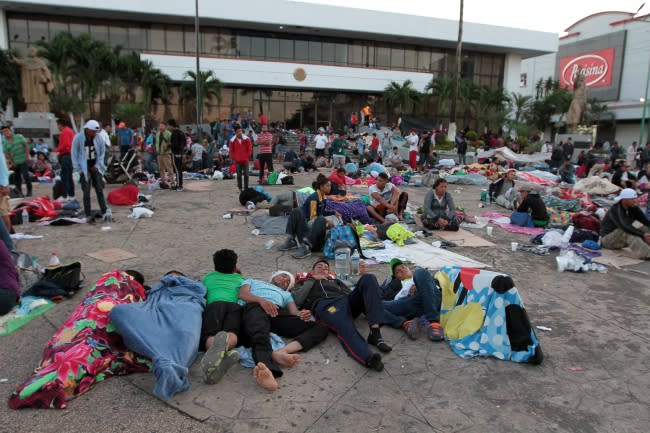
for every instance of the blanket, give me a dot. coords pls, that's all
(270, 225)
(126, 195)
(483, 315)
(167, 329)
(85, 350)
(350, 210)
(510, 155)
(502, 220)
(23, 314)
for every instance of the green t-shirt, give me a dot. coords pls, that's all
(337, 146)
(16, 148)
(222, 287)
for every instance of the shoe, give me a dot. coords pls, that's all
(435, 332)
(374, 362)
(180, 189)
(379, 343)
(288, 244)
(303, 251)
(412, 328)
(90, 220)
(218, 359)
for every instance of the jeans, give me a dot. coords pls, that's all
(242, 173)
(66, 176)
(461, 159)
(178, 168)
(95, 180)
(313, 231)
(21, 172)
(339, 313)
(150, 162)
(426, 301)
(266, 159)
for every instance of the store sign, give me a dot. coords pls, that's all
(596, 67)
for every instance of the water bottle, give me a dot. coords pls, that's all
(566, 237)
(342, 263)
(354, 263)
(250, 205)
(108, 216)
(54, 261)
(25, 217)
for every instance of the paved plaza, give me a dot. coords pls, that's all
(593, 378)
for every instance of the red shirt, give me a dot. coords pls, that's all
(265, 142)
(263, 119)
(375, 143)
(240, 149)
(65, 141)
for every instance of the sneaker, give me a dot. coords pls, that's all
(303, 251)
(379, 343)
(288, 244)
(435, 332)
(412, 328)
(374, 362)
(217, 360)
(179, 189)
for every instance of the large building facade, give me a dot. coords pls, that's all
(302, 64)
(613, 51)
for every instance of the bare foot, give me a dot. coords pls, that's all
(284, 359)
(264, 377)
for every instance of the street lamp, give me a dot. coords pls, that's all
(644, 100)
(199, 112)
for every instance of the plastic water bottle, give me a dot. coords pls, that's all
(25, 217)
(354, 263)
(342, 263)
(54, 261)
(566, 237)
(108, 216)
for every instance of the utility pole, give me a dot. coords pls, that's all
(452, 112)
(199, 108)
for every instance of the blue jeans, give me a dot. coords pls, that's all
(150, 162)
(425, 302)
(5, 237)
(94, 180)
(66, 176)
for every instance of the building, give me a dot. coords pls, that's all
(613, 50)
(300, 63)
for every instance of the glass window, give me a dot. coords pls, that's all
(56, 27)
(38, 31)
(272, 48)
(410, 59)
(78, 29)
(355, 54)
(424, 60)
(174, 39)
(438, 62)
(257, 47)
(329, 53)
(467, 69)
(245, 97)
(243, 46)
(286, 49)
(341, 54)
(397, 57)
(209, 39)
(21, 47)
(382, 57)
(224, 43)
(190, 39)
(315, 51)
(119, 36)
(369, 56)
(293, 96)
(18, 30)
(302, 50)
(157, 38)
(98, 32)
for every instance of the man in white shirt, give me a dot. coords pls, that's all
(413, 141)
(320, 143)
(386, 198)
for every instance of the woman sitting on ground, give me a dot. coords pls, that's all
(439, 209)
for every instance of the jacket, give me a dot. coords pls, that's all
(79, 157)
(496, 187)
(240, 149)
(620, 218)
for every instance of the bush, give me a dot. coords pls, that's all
(471, 136)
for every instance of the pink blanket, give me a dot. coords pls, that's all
(535, 179)
(494, 216)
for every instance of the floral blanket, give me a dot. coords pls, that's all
(85, 350)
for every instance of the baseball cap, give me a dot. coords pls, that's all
(627, 193)
(93, 125)
(394, 262)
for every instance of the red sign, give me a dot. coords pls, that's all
(596, 67)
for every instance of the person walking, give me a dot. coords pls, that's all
(88, 159)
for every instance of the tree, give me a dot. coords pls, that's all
(596, 112)
(403, 98)
(442, 89)
(155, 85)
(556, 102)
(10, 83)
(261, 93)
(520, 104)
(209, 85)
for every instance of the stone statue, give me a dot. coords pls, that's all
(577, 107)
(36, 81)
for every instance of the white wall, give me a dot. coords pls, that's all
(279, 74)
(626, 134)
(4, 41)
(511, 73)
(536, 68)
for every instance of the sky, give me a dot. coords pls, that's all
(544, 15)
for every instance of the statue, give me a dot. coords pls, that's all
(577, 107)
(36, 81)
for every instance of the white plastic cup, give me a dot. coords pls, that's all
(514, 246)
(489, 229)
(268, 244)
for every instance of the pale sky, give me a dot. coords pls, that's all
(545, 15)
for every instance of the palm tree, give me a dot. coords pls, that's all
(154, 83)
(539, 89)
(443, 90)
(209, 85)
(519, 104)
(10, 84)
(262, 92)
(459, 61)
(88, 58)
(403, 98)
(597, 111)
(58, 53)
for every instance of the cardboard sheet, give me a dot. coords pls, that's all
(463, 238)
(424, 255)
(616, 258)
(112, 255)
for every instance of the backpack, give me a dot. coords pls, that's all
(342, 235)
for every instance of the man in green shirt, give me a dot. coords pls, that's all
(163, 149)
(17, 155)
(338, 151)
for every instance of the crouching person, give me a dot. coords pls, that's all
(440, 209)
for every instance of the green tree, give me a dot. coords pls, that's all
(403, 98)
(10, 83)
(442, 89)
(130, 112)
(155, 85)
(209, 85)
(596, 112)
(520, 104)
(58, 53)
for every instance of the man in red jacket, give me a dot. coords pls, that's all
(63, 154)
(241, 150)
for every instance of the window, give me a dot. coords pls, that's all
(410, 59)
(56, 27)
(98, 32)
(18, 30)
(119, 36)
(243, 46)
(286, 49)
(272, 48)
(523, 78)
(190, 39)
(382, 57)
(174, 39)
(397, 57)
(329, 53)
(315, 52)
(341, 54)
(38, 31)
(355, 54)
(78, 29)
(424, 60)
(157, 38)
(257, 47)
(302, 50)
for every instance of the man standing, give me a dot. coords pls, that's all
(63, 153)
(177, 145)
(617, 229)
(413, 140)
(461, 149)
(163, 149)
(265, 151)
(241, 150)
(338, 150)
(88, 159)
(17, 153)
(567, 149)
(386, 198)
(125, 138)
(320, 143)
(5, 207)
